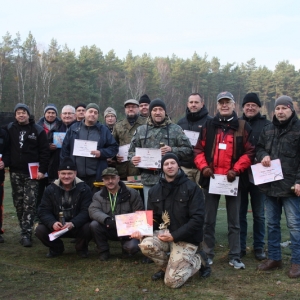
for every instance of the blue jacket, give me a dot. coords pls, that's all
(107, 146)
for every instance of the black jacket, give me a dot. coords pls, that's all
(184, 201)
(257, 124)
(4, 150)
(193, 122)
(28, 143)
(54, 154)
(51, 204)
(281, 141)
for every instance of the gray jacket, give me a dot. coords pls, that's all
(128, 201)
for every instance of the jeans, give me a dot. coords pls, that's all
(233, 221)
(291, 207)
(258, 206)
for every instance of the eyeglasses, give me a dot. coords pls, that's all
(67, 113)
(251, 105)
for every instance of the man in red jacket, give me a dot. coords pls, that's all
(225, 148)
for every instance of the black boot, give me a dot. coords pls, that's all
(205, 269)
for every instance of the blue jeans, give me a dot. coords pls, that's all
(291, 207)
(257, 200)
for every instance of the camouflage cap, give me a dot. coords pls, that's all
(225, 95)
(110, 171)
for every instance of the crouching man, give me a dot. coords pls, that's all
(183, 200)
(71, 196)
(114, 199)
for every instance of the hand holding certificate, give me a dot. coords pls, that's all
(220, 185)
(263, 174)
(150, 158)
(84, 148)
(141, 221)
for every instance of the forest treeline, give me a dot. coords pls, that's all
(58, 75)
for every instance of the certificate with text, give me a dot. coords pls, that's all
(193, 136)
(141, 221)
(220, 186)
(263, 174)
(84, 148)
(123, 151)
(150, 158)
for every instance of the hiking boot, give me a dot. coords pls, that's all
(269, 264)
(52, 254)
(104, 256)
(260, 254)
(294, 271)
(243, 253)
(158, 275)
(236, 263)
(1, 239)
(205, 269)
(25, 241)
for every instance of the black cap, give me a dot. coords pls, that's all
(67, 164)
(144, 99)
(251, 97)
(157, 102)
(80, 105)
(169, 156)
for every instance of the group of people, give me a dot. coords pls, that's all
(62, 194)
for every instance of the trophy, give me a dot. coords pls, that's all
(163, 227)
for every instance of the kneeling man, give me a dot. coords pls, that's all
(114, 199)
(71, 196)
(183, 200)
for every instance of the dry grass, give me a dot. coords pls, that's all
(25, 273)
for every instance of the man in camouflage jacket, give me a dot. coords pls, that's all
(158, 129)
(123, 132)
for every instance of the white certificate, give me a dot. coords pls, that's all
(150, 157)
(220, 186)
(84, 148)
(263, 174)
(123, 151)
(193, 136)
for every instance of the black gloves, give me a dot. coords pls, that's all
(110, 223)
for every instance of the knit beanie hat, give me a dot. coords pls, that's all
(50, 106)
(80, 105)
(110, 110)
(251, 97)
(144, 99)
(157, 102)
(67, 164)
(169, 156)
(92, 105)
(285, 100)
(22, 106)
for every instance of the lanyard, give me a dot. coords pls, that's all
(113, 201)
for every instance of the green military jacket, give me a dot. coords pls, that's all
(123, 133)
(150, 135)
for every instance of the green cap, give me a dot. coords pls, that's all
(110, 171)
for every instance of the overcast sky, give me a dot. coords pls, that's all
(233, 31)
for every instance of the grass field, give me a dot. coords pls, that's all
(25, 273)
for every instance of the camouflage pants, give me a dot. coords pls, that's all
(182, 264)
(24, 193)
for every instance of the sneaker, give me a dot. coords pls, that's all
(236, 263)
(1, 239)
(25, 241)
(210, 261)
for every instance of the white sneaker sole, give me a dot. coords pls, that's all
(237, 268)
